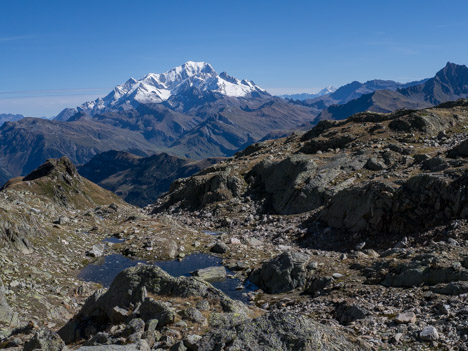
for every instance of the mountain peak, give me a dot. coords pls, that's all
(155, 88)
(451, 69)
(198, 67)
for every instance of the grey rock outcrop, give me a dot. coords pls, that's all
(276, 331)
(131, 289)
(204, 188)
(142, 346)
(421, 202)
(7, 316)
(422, 271)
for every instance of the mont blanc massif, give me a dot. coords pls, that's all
(191, 210)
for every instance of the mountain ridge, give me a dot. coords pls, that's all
(450, 83)
(139, 180)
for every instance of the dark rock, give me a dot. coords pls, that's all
(347, 313)
(179, 346)
(317, 285)
(374, 165)
(283, 273)
(418, 273)
(454, 288)
(136, 325)
(420, 203)
(152, 309)
(191, 342)
(461, 150)
(45, 340)
(220, 248)
(435, 164)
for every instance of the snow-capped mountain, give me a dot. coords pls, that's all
(157, 88)
(305, 96)
(327, 90)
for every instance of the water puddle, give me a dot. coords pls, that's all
(113, 240)
(106, 269)
(209, 232)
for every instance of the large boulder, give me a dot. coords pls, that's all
(135, 292)
(209, 186)
(423, 272)
(460, 150)
(283, 273)
(274, 332)
(287, 183)
(45, 340)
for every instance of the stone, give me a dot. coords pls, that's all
(191, 342)
(283, 273)
(98, 339)
(152, 309)
(429, 333)
(141, 346)
(442, 309)
(130, 290)
(193, 315)
(179, 346)
(203, 305)
(453, 288)
(397, 337)
(254, 242)
(151, 325)
(118, 315)
(347, 313)
(96, 251)
(406, 317)
(45, 340)
(7, 315)
(136, 325)
(275, 331)
(211, 274)
(461, 150)
(374, 165)
(220, 248)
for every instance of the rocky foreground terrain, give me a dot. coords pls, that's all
(355, 233)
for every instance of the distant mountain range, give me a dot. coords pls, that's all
(450, 83)
(139, 180)
(306, 96)
(355, 90)
(8, 117)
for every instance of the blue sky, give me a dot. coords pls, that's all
(55, 54)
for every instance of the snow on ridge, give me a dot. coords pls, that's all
(159, 87)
